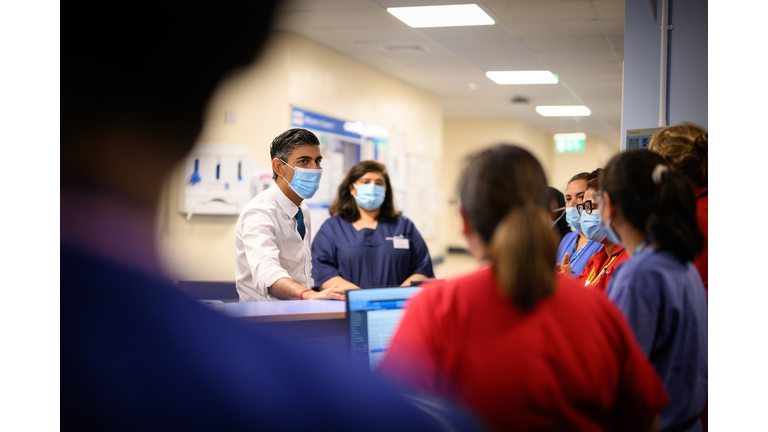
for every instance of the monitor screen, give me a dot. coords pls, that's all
(374, 315)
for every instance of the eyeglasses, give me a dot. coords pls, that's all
(586, 206)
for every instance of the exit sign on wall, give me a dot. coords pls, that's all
(570, 143)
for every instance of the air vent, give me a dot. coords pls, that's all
(519, 100)
(409, 49)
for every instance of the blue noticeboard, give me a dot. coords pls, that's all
(317, 122)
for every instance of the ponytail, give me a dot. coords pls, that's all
(672, 221)
(655, 199)
(523, 250)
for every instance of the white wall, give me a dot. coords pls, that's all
(291, 72)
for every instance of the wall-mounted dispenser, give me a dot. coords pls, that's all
(218, 179)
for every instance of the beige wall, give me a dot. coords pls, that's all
(463, 137)
(291, 72)
(596, 154)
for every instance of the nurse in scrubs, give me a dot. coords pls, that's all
(603, 264)
(575, 249)
(366, 243)
(650, 209)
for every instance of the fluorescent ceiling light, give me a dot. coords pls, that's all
(563, 110)
(522, 77)
(570, 136)
(442, 16)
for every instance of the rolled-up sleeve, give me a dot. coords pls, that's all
(324, 259)
(259, 236)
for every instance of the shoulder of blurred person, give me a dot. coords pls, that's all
(457, 334)
(136, 353)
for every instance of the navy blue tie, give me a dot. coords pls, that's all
(300, 225)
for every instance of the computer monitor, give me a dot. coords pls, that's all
(374, 315)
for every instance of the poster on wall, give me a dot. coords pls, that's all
(340, 145)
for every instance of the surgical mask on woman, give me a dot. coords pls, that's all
(572, 216)
(592, 226)
(305, 181)
(553, 222)
(370, 196)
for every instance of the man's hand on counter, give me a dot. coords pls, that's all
(331, 293)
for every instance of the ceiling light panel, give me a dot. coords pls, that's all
(522, 77)
(563, 110)
(442, 16)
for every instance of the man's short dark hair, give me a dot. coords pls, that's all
(285, 143)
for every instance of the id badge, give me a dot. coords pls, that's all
(400, 243)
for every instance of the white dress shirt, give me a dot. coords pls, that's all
(268, 245)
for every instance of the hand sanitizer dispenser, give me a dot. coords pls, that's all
(217, 180)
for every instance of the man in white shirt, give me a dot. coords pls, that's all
(273, 234)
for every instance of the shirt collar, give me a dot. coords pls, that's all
(285, 203)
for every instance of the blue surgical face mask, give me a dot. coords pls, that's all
(592, 226)
(370, 196)
(612, 237)
(305, 181)
(572, 216)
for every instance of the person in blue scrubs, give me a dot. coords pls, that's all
(651, 210)
(367, 243)
(575, 249)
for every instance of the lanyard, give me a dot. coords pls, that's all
(605, 269)
(573, 258)
(641, 247)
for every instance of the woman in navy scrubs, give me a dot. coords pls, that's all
(651, 210)
(367, 243)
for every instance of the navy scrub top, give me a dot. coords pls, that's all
(665, 303)
(369, 258)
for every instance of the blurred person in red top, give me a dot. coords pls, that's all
(685, 146)
(601, 265)
(523, 347)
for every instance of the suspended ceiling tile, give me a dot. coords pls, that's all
(609, 9)
(556, 28)
(512, 13)
(324, 5)
(614, 27)
(486, 47)
(342, 18)
(580, 58)
(406, 3)
(379, 34)
(558, 43)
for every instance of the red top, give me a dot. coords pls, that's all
(570, 364)
(702, 209)
(600, 267)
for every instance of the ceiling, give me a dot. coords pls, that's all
(582, 41)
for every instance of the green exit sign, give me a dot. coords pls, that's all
(570, 143)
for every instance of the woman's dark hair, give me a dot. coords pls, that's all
(655, 199)
(345, 204)
(561, 227)
(504, 195)
(580, 176)
(593, 180)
